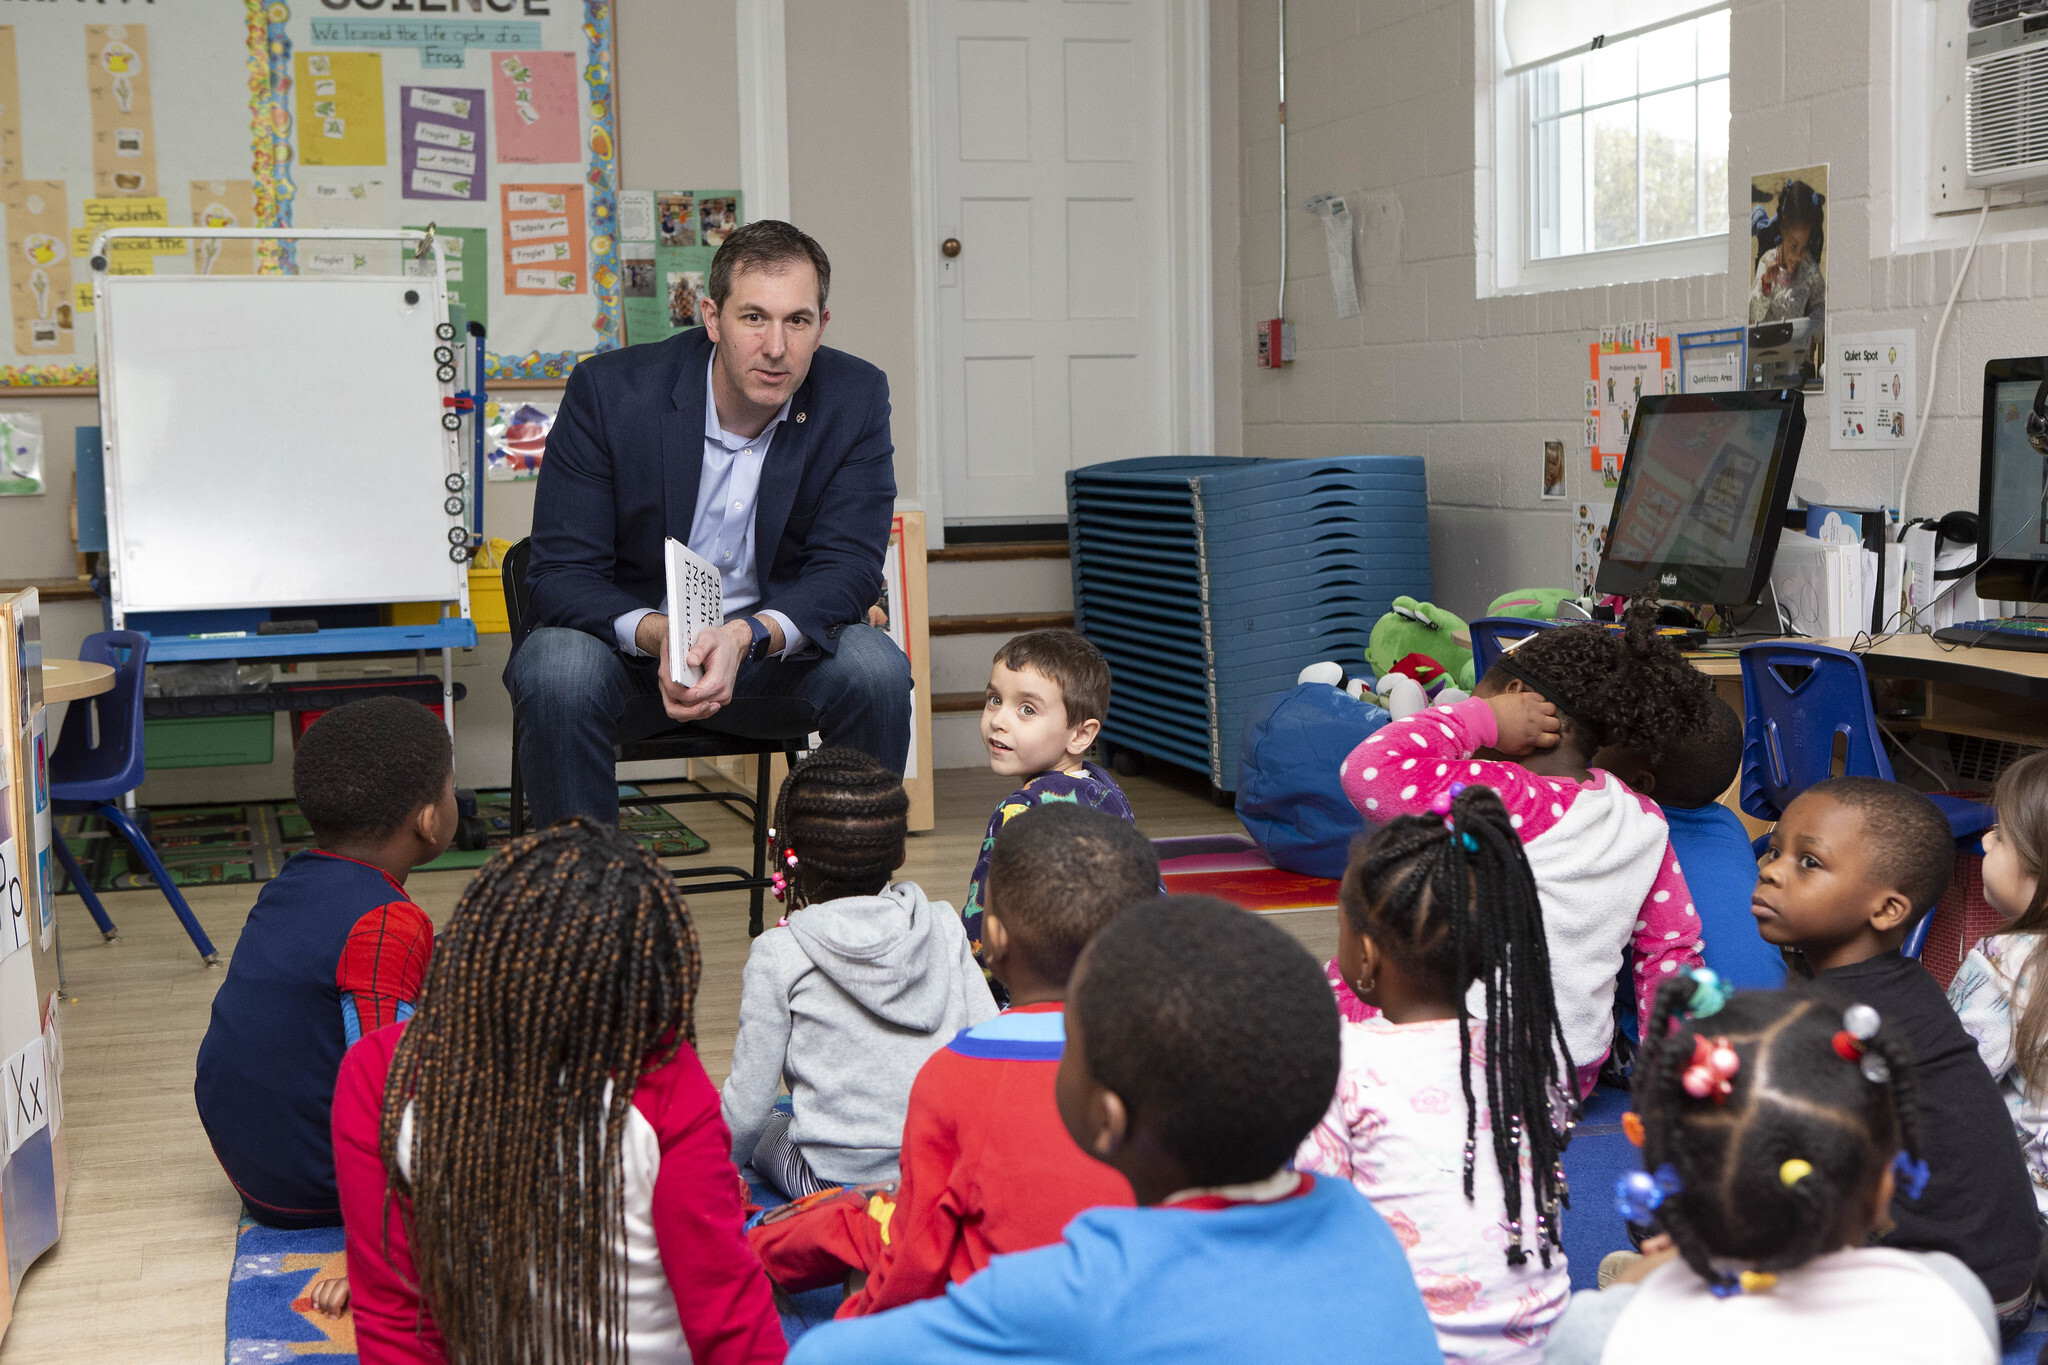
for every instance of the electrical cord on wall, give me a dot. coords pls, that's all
(1934, 358)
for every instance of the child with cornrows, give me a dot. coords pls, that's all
(1445, 1119)
(1774, 1127)
(1995, 993)
(847, 996)
(1608, 881)
(533, 1168)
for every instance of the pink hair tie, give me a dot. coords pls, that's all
(1711, 1073)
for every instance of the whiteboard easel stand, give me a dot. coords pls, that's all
(361, 640)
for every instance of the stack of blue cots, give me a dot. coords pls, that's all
(1209, 583)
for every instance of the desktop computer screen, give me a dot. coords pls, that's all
(2012, 486)
(1693, 519)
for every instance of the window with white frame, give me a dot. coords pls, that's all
(1610, 161)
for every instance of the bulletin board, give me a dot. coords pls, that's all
(497, 127)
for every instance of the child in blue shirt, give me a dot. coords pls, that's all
(1713, 848)
(333, 950)
(1048, 692)
(1201, 1048)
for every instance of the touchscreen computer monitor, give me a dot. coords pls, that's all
(1696, 518)
(2012, 485)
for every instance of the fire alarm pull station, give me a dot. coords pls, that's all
(1276, 344)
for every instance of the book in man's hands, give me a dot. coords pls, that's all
(696, 603)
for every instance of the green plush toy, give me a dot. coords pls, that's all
(1423, 641)
(1531, 604)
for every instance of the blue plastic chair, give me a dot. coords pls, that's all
(1806, 709)
(1491, 636)
(89, 777)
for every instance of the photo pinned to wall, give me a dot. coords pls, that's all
(1788, 289)
(675, 213)
(686, 295)
(717, 216)
(1589, 543)
(1553, 470)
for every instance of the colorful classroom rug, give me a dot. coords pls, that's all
(1232, 867)
(215, 845)
(270, 1317)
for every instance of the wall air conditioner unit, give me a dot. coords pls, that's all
(2005, 116)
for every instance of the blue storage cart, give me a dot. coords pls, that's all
(1209, 582)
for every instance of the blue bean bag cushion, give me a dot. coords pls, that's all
(1288, 795)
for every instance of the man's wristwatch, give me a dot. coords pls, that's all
(763, 639)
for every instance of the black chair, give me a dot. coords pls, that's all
(759, 726)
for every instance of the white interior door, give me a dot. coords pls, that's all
(1050, 135)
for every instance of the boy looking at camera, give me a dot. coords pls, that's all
(1048, 691)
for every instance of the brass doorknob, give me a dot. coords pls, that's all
(950, 247)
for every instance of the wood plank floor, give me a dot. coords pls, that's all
(142, 1269)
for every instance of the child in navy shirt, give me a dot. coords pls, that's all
(1048, 692)
(1201, 1047)
(333, 950)
(1712, 846)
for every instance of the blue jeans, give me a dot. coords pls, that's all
(576, 697)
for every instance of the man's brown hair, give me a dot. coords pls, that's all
(771, 245)
(1066, 657)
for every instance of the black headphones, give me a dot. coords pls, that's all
(2037, 420)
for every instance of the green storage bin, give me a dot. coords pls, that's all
(209, 741)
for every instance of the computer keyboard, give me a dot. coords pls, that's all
(2009, 632)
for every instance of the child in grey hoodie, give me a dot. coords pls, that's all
(847, 997)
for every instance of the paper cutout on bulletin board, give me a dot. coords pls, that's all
(39, 270)
(117, 89)
(1624, 375)
(467, 252)
(441, 142)
(223, 204)
(534, 107)
(542, 242)
(340, 108)
(341, 200)
(1589, 543)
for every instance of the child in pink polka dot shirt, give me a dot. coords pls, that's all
(1609, 883)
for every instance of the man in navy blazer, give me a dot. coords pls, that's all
(764, 452)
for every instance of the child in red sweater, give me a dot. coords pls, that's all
(534, 1166)
(987, 1166)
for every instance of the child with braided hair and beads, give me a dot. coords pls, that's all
(861, 982)
(1609, 883)
(533, 1167)
(1775, 1127)
(1431, 908)
(1852, 866)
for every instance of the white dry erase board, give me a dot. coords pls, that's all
(277, 440)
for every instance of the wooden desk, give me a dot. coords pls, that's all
(72, 679)
(1971, 690)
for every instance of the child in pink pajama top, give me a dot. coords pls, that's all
(1609, 883)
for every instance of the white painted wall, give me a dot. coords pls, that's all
(1381, 96)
